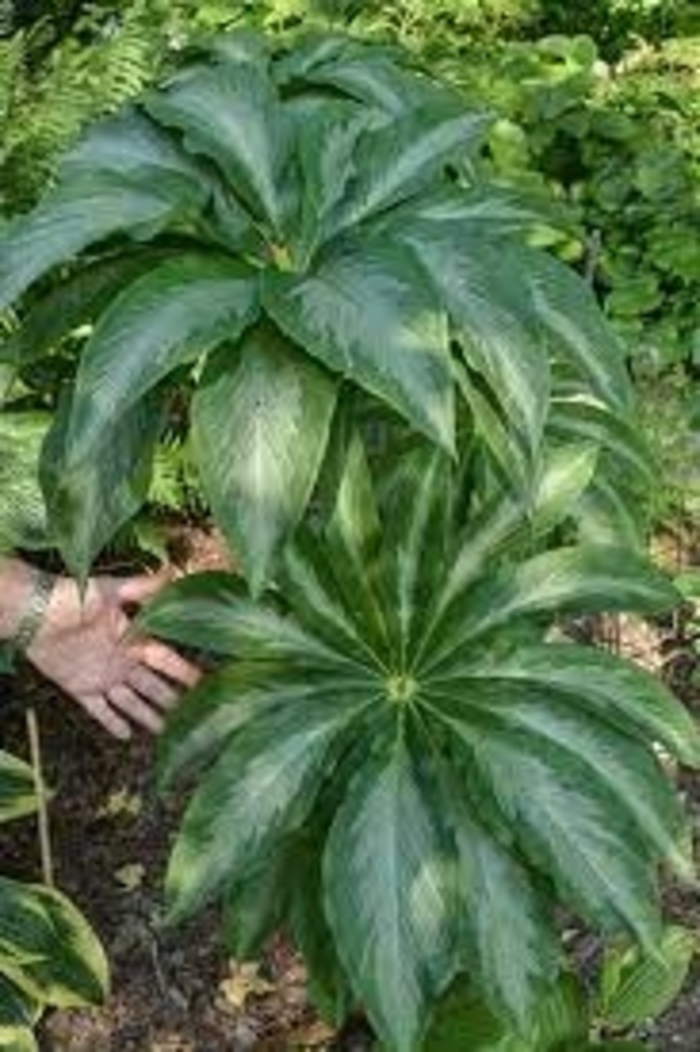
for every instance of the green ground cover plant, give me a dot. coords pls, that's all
(409, 421)
(49, 956)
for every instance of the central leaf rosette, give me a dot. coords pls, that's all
(398, 765)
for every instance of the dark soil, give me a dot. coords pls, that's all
(177, 991)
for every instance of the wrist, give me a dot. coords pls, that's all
(25, 596)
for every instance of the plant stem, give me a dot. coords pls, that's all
(40, 789)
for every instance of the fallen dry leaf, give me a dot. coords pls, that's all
(130, 876)
(121, 802)
(244, 981)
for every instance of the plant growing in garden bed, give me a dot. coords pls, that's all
(48, 954)
(398, 405)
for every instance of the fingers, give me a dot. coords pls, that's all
(128, 702)
(153, 688)
(100, 710)
(140, 589)
(163, 659)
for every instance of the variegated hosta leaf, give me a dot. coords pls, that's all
(17, 1009)
(261, 420)
(352, 538)
(418, 510)
(47, 948)
(17, 1039)
(17, 788)
(636, 986)
(574, 327)
(327, 132)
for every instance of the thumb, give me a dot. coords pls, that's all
(142, 588)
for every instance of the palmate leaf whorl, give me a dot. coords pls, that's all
(396, 721)
(313, 213)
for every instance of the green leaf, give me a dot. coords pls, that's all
(261, 789)
(620, 438)
(463, 1021)
(128, 143)
(568, 823)
(509, 451)
(404, 155)
(205, 718)
(562, 1017)
(389, 900)
(417, 510)
(583, 579)
(214, 611)
(371, 76)
(567, 472)
(255, 906)
(261, 420)
(86, 211)
(17, 1039)
(574, 326)
(638, 986)
(604, 685)
(327, 137)
(16, 1008)
(89, 499)
(79, 298)
(231, 114)
(607, 513)
(17, 788)
(490, 530)
(62, 962)
(555, 727)
(367, 314)
(165, 318)
(352, 538)
(326, 981)
(485, 209)
(308, 581)
(509, 947)
(485, 294)
(22, 511)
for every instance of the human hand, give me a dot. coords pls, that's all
(119, 679)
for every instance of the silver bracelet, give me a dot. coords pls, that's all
(34, 610)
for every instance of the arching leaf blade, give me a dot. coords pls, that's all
(388, 895)
(367, 314)
(261, 789)
(165, 318)
(261, 420)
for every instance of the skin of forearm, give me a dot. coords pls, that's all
(15, 589)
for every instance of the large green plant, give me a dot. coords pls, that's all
(399, 763)
(49, 956)
(299, 238)
(274, 226)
